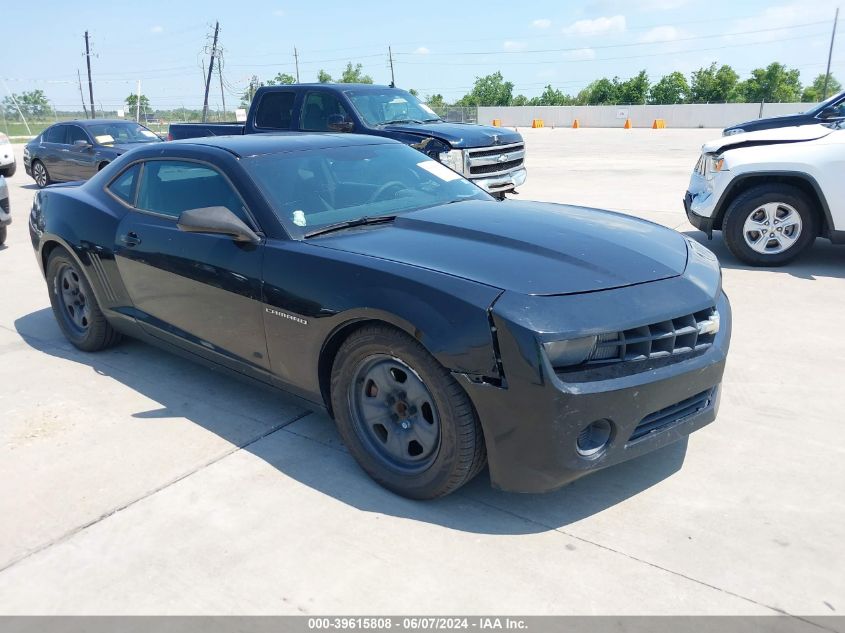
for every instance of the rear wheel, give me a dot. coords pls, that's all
(404, 418)
(40, 174)
(2, 235)
(74, 305)
(770, 225)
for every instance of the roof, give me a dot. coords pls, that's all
(255, 144)
(339, 86)
(87, 122)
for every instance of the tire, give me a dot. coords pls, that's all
(3, 231)
(767, 206)
(102, 166)
(78, 314)
(38, 168)
(367, 392)
(9, 171)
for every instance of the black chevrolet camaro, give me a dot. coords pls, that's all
(441, 329)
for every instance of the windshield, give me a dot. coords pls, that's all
(315, 188)
(121, 132)
(390, 105)
(831, 101)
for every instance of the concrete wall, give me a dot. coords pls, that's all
(716, 115)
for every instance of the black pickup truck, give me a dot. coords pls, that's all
(493, 158)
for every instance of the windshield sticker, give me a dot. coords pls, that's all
(149, 134)
(427, 109)
(436, 169)
(104, 139)
(299, 218)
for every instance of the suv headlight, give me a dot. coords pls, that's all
(453, 159)
(570, 352)
(715, 164)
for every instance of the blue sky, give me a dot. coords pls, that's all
(438, 47)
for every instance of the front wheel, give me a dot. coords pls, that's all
(40, 174)
(2, 235)
(770, 225)
(403, 417)
(75, 306)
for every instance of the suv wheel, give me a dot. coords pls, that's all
(770, 225)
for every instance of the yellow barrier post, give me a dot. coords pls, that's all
(659, 124)
(535, 123)
(497, 123)
(575, 124)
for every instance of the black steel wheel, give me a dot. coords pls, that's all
(403, 416)
(75, 306)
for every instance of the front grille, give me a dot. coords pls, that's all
(486, 161)
(664, 418)
(681, 335)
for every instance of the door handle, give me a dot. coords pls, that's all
(131, 239)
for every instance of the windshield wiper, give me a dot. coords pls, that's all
(432, 120)
(402, 121)
(338, 226)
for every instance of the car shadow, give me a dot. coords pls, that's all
(822, 259)
(31, 186)
(329, 469)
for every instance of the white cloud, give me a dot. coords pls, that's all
(580, 54)
(279, 13)
(780, 17)
(661, 34)
(158, 28)
(512, 46)
(661, 5)
(598, 26)
(422, 50)
(542, 23)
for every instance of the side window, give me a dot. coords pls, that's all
(317, 109)
(124, 185)
(76, 133)
(275, 110)
(170, 187)
(55, 134)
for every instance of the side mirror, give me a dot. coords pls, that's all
(218, 221)
(82, 144)
(337, 123)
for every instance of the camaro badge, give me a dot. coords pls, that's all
(285, 315)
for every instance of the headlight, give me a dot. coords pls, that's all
(571, 352)
(736, 130)
(701, 251)
(453, 159)
(715, 164)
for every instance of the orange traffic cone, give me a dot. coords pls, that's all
(627, 124)
(575, 124)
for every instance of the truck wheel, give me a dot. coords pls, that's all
(770, 225)
(75, 307)
(404, 418)
(40, 174)
(2, 235)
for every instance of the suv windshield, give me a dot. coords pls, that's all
(390, 105)
(314, 188)
(121, 132)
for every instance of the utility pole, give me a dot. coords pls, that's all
(220, 77)
(296, 61)
(392, 78)
(138, 104)
(830, 54)
(81, 94)
(210, 70)
(90, 83)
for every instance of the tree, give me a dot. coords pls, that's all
(815, 91)
(490, 90)
(253, 85)
(773, 84)
(712, 85)
(672, 88)
(600, 92)
(323, 77)
(355, 75)
(414, 92)
(436, 101)
(520, 100)
(33, 104)
(550, 96)
(281, 79)
(132, 102)
(633, 90)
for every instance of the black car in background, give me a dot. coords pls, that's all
(830, 111)
(440, 328)
(76, 150)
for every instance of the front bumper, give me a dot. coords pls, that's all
(502, 183)
(700, 222)
(7, 156)
(532, 422)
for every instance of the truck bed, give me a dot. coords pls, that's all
(198, 130)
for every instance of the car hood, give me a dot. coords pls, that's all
(528, 247)
(460, 135)
(794, 134)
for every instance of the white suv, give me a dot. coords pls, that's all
(8, 164)
(772, 192)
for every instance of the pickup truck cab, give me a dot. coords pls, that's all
(493, 158)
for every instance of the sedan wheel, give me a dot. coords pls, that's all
(404, 418)
(39, 173)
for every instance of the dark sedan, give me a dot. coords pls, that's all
(76, 150)
(440, 328)
(830, 111)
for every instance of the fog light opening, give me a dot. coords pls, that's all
(594, 438)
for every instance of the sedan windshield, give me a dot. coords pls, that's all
(320, 187)
(390, 105)
(121, 132)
